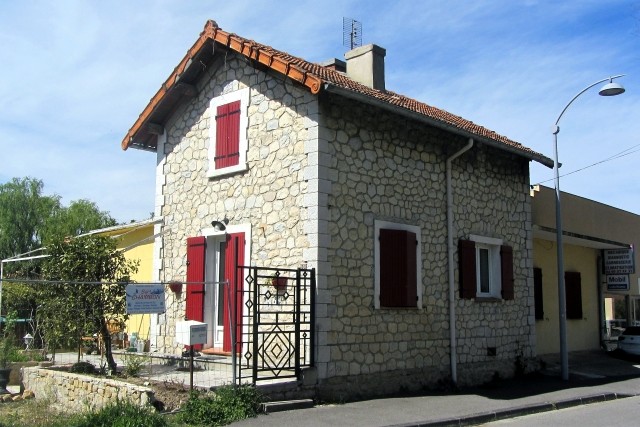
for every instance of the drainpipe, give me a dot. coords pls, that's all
(450, 248)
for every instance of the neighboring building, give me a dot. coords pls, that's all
(321, 166)
(136, 240)
(595, 314)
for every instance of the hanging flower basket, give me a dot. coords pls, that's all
(175, 286)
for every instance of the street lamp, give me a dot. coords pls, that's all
(610, 89)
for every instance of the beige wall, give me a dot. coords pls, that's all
(589, 227)
(581, 334)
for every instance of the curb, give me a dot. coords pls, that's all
(486, 417)
(287, 405)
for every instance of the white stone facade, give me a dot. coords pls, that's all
(321, 169)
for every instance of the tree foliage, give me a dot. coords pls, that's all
(29, 220)
(88, 294)
(24, 212)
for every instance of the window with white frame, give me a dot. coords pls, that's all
(486, 268)
(228, 133)
(398, 265)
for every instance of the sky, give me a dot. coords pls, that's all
(75, 75)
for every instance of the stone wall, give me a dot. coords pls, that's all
(270, 198)
(78, 393)
(384, 167)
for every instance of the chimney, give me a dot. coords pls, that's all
(365, 64)
(335, 64)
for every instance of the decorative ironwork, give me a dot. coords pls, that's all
(277, 335)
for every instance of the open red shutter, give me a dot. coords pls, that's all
(573, 292)
(227, 135)
(537, 293)
(506, 265)
(398, 287)
(467, 261)
(196, 249)
(233, 290)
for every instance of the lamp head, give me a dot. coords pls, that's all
(220, 225)
(611, 89)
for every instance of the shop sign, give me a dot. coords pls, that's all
(618, 282)
(144, 299)
(619, 261)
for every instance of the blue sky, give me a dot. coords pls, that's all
(75, 75)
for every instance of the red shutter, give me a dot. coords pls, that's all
(537, 293)
(227, 135)
(233, 290)
(506, 266)
(195, 278)
(573, 292)
(398, 264)
(196, 249)
(467, 261)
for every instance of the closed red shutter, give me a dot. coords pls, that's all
(398, 263)
(196, 249)
(467, 261)
(506, 269)
(227, 135)
(573, 292)
(537, 293)
(233, 290)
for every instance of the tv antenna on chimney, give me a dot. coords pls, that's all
(351, 33)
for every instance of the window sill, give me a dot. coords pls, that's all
(228, 171)
(488, 299)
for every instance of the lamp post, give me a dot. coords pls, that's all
(610, 89)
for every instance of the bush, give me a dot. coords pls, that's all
(225, 405)
(82, 368)
(122, 415)
(133, 364)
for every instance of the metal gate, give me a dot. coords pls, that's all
(277, 331)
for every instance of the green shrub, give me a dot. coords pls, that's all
(82, 368)
(225, 405)
(134, 364)
(122, 415)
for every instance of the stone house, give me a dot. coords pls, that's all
(413, 218)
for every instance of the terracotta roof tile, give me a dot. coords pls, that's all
(315, 77)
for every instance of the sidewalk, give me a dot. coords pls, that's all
(595, 377)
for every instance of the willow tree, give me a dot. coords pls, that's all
(85, 294)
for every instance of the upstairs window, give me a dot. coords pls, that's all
(398, 263)
(486, 268)
(228, 134)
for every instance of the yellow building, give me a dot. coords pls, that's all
(595, 313)
(136, 241)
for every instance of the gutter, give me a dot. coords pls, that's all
(436, 123)
(450, 249)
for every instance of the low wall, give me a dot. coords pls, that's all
(71, 392)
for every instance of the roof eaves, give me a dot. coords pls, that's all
(248, 48)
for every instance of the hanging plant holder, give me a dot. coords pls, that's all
(279, 283)
(175, 286)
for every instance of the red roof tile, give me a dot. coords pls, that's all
(317, 77)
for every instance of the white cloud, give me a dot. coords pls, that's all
(77, 74)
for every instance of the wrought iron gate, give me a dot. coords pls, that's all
(277, 330)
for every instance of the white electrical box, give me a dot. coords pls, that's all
(191, 332)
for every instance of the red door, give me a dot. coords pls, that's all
(233, 256)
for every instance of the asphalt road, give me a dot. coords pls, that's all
(623, 412)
